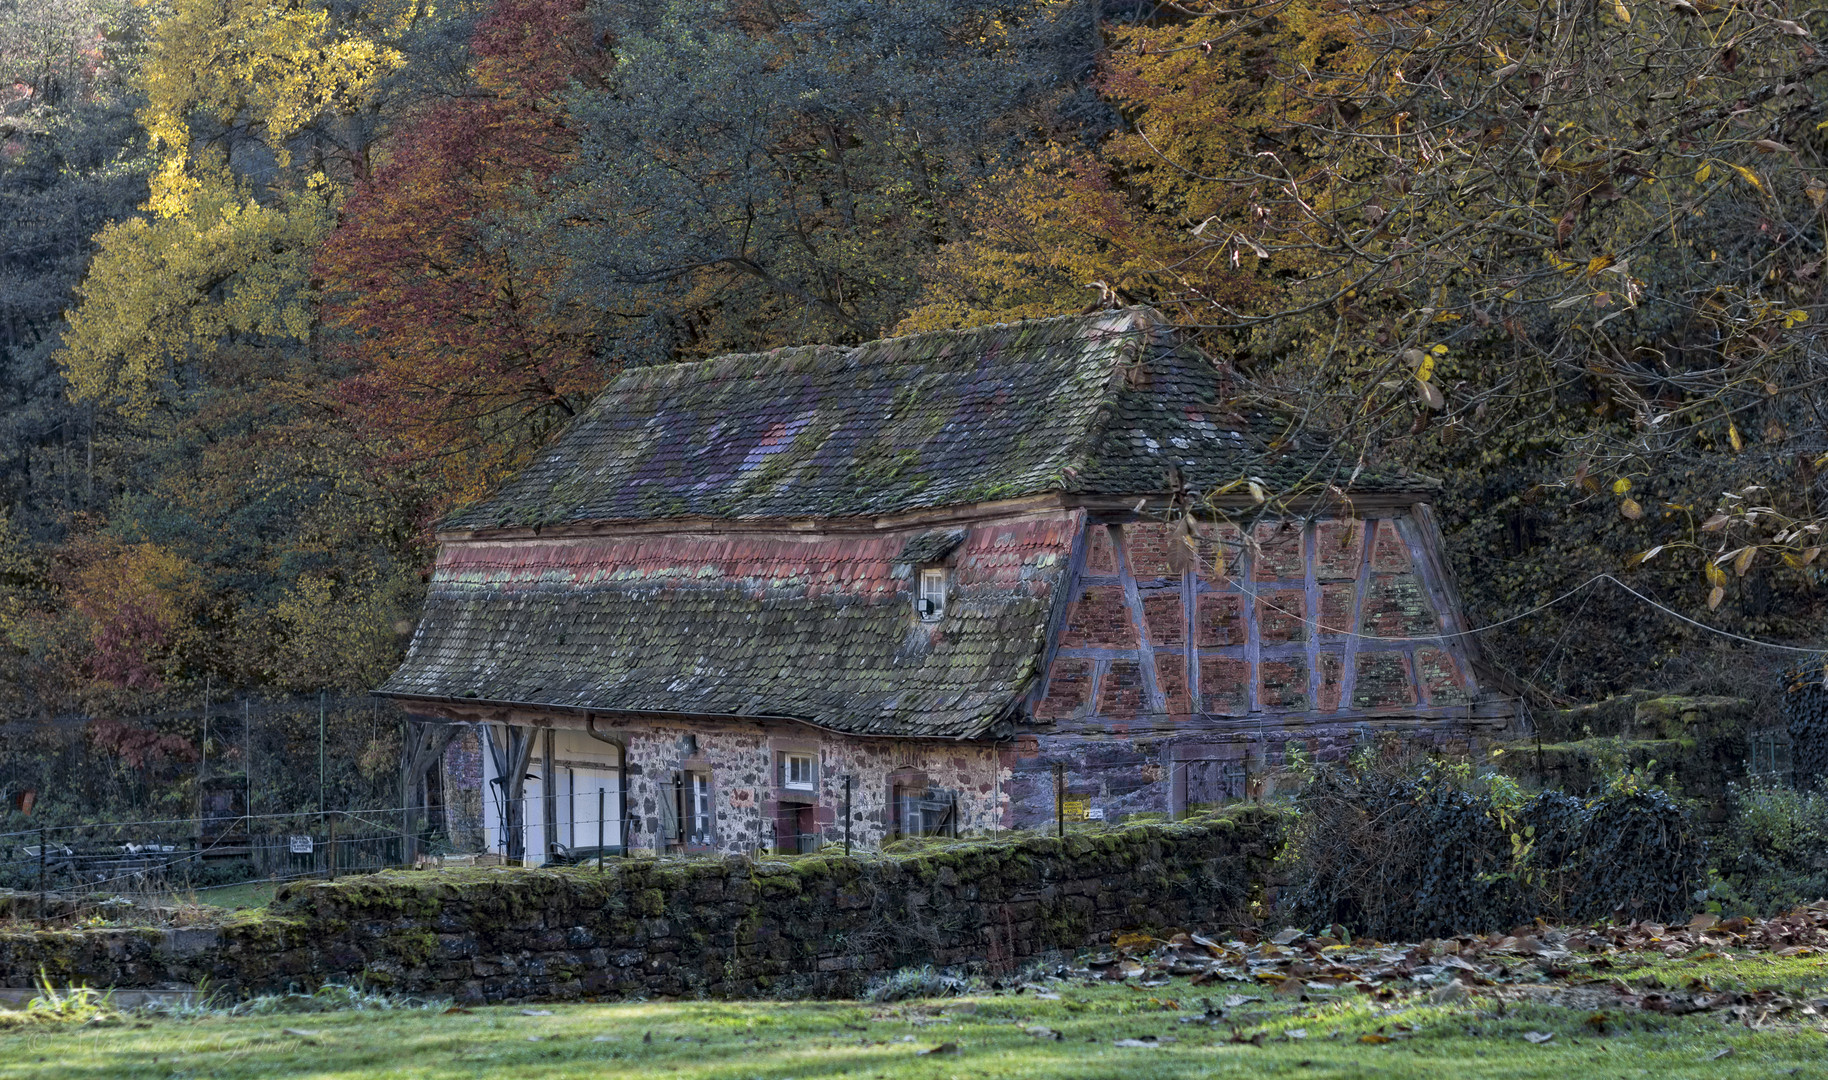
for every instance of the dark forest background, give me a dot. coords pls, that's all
(281, 285)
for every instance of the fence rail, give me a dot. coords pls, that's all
(166, 855)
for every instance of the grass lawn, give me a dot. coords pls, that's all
(1105, 1031)
(250, 894)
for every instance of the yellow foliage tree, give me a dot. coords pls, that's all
(274, 69)
(259, 117)
(170, 290)
(1208, 120)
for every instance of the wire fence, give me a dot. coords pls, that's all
(225, 755)
(179, 855)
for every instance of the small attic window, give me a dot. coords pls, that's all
(932, 600)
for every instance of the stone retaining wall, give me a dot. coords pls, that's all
(728, 927)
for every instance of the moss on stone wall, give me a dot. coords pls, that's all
(723, 927)
(1699, 743)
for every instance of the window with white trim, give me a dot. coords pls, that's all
(798, 772)
(932, 601)
(698, 807)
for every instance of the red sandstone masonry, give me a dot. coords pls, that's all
(1283, 684)
(1171, 678)
(1221, 620)
(1338, 549)
(1166, 618)
(1224, 685)
(1151, 550)
(1220, 549)
(1281, 616)
(1069, 689)
(1099, 617)
(1100, 556)
(1121, 691)
(1279, 555)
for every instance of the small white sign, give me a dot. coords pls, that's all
(1095, 813)
(302, 845)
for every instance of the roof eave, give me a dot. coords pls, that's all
(595, 710)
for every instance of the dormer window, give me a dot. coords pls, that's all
(932, 600)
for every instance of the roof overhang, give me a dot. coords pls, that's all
(484, 711)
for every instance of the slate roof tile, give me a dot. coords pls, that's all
(819, 631)
(1098, 404)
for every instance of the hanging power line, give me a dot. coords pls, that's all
(1571, 593)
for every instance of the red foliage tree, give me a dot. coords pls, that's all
(466, 357)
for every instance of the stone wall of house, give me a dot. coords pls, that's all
(741, 761)
(723, 927)
(1122, 772)
(463, 792)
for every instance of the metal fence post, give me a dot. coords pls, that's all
(600, 811)
(847, 816)
(43, 910)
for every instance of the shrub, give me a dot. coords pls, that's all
(1773, 852)
(1423, 852)
(919, 982)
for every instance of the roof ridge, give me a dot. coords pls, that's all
(1141, 317)
(1146, 321)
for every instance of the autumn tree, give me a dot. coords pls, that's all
(196, 335)
(757, 175)
(1565, 255)
(258, 120)
(466, 356)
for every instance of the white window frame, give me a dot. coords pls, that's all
(700, 809)
(808, 765)
(932, 592)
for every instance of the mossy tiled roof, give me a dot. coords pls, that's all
(1098, 404)
(822, 631)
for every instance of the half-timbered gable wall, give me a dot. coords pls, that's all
(1335, 617)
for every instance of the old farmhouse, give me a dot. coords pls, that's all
(926, 584)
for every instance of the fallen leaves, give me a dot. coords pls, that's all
(1536, 962)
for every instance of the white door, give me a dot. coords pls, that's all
(587, 775)
(594, 810)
